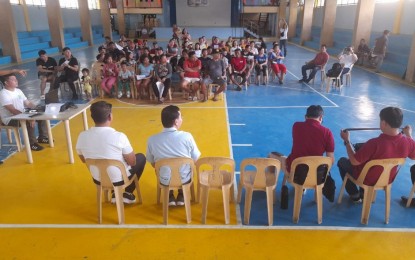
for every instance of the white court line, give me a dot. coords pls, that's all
(314, 90)
(235, 124)
(184, 226)
(235, 190)
(242, 145)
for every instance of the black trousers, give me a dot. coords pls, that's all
(166, 88)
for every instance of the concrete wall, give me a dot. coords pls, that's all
(217, 13)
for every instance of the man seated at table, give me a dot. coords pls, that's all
(14, 102)
(104, 142)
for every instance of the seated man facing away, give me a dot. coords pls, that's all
(192, 67)
(391, 143)
(104, 142)
(13, 102)
(46, 70)
(216, 74)
(171, 143)
(315, 64)
(310, 138)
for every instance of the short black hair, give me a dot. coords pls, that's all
(4, 78)
(323, 45)
(168, 115)
(41, 52)
(85, 70)
(191, 53)
(100, 48)
(100, 112)
(393, 116)
(314, 111)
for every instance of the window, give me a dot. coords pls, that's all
(69, 4)
(93, 4)
(35, 2)
(15, 2)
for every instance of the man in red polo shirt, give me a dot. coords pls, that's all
(239, 68)
(391, 143)
(310, 138)
(192, 67)
(314, 65)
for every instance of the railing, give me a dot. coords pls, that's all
(251, 25)
(138, 4)
(260, 2)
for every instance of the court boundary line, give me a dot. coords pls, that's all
(329, 100)
(235, 184)
(199, 226)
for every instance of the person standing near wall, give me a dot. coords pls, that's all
(381, 45)
(283, 35)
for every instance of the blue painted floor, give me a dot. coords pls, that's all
(261, 120)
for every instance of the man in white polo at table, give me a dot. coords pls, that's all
(13, 102)
(171, 143)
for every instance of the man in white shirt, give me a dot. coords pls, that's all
(172, 143)
(348, 58)
(104, 142)
(13, 102)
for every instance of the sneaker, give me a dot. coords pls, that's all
(36, 147)
(172, 200)
(119, 94)
(128, 94)
(238, 88)
(302, 80)
(357, 200)
(404, 200)
(194, 98)
(180, 199)
(190, 98)
(43, 140)
(42, 97)
(127, 198)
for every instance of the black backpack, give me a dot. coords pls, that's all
(335, 70)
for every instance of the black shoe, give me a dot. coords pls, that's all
(128, 198)
(43, 140)
(172, 200)
(238, 88)
(302, 80)
(357, 200)
(404, 200)
(36, 147)
(280, 81)
(180, 199)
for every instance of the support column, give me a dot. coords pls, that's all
(85, 22)
(307, 21)
(410, 69)
(292, 23)
(329, 19)
(398, 18)
(26, 16)
(53, 10)
(363, 22)
(121, 17)
(281, 15)
(106, 18)
(8, 34)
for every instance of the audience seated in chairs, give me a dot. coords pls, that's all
(261, 61)
(192, 67)
(239, 69)
(146, 71)
(109, 73)
(46, 71)
(277, 66)
(126, 78)
(314, 65)
(162, 76)
(69, 71)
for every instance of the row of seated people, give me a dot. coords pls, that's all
(310, 138)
